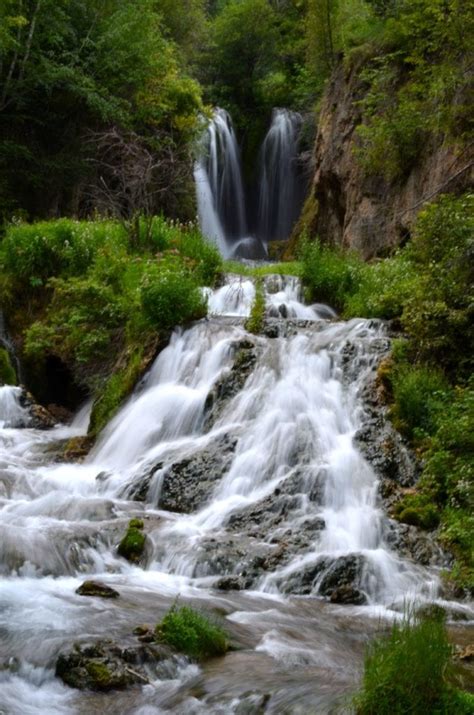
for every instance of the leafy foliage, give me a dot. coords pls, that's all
(192, 633)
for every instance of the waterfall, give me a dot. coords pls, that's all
(279, 194)
(219, 186)
(238, 453)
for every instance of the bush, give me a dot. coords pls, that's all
(419, 394)
(192, 633)
(170, 296)
(32, 253)
(407, 671)
(329, 274)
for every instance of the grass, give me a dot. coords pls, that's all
(255, 322)
(192, 633)
(410, 671)
(288, 268)
(7, 371)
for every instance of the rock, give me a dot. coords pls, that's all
(230, 583)
(39, 417)
(96, 588)
(348, 594)
(232, 382)
(188, 484)
(105, 666)
(337, 579)
(466, 653)
(132, 546)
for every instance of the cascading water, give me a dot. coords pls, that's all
(219, 187)
(238, 453)
(279, 189)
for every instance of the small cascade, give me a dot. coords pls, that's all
(219, 186)
(279, 195)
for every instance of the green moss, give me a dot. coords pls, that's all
(255, 322)
(192, 633)
(118, 386)
(7, 371)
(133, 543)
(136, 523)
(424, 517)
(101, 676)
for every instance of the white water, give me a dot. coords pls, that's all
(295, 417)
(219, 187)
(279, 202)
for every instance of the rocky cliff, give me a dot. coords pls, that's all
(345, 205)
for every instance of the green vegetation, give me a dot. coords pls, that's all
(255, 322)
(410, 671)
(7, 371)
(133, 543)
(101, 296)
(426, 288)
(192, 633)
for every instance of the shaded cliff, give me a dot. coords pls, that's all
(351, 206)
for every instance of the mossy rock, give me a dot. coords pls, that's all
(133, 543)
(7, 371)
(95, 588)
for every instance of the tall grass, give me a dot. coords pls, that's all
(408, 672)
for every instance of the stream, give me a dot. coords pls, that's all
(238, 452)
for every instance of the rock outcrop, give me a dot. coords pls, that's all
(369, 213)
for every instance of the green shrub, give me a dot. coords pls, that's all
(32, 253)
(383, 288)
(419, 395)
(425, 517)
(204, 258)
(407, 671)
(7, 371)
(170, 296)
(192, 633)
(329, 274)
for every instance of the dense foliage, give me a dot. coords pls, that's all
(409, 672)
(92, 95)
(98, 297)
(427, 290)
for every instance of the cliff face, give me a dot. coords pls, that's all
(347, 207)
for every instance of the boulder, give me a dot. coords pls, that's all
(96, 588)
(105, 666)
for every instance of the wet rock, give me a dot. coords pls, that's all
(348, 595)
(385, 450)
(417, 544)
(230, 384)
(132, 546)
(188, 484)
(96, 588)
(39, 417)
(105, 666)
(231, 583)
(337, 578)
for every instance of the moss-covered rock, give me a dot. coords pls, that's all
(96, 588)
(133, 544)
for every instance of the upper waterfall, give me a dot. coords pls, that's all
(279, 199)
(221, 193)
(219, 185)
